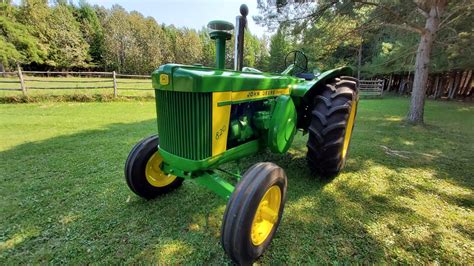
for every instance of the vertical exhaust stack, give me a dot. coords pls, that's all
(240, 24)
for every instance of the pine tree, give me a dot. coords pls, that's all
(279, 48)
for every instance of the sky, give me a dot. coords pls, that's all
(188, 13)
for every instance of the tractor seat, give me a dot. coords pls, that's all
(306, 76)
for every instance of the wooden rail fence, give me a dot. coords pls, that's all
(115, 81)
(119, 82)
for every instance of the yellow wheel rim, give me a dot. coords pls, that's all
(350, 125)
(266, 215)
(154, 175)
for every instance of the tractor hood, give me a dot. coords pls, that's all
(174, 77)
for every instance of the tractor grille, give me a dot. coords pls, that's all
(184, 123)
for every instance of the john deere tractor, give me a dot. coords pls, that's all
(210, 116)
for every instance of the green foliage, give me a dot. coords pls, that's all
(256, 53)
(455, 40)
(331, 32)
(332, 41)
(208, 49)
(117, 42)
(17, 45)
(133, 43)
(451, 47)
(92, 31)
(58, 32)
(263, 57)
(188, 47)
(60, 35)
(144, 53)
(168, 44)
(279, 48)
(67, 47)
(394, 52)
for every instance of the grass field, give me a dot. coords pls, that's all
(47, 82)
(406, 195)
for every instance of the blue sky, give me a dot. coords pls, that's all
(188, 13)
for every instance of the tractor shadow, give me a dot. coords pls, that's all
(65, 199)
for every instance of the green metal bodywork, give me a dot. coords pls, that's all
(187, 165)
(282, 126)
(204, 79)
(215, 183)
(241, 129)
(301, 89)
(184, 97)
(187, 124)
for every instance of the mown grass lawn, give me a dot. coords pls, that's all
(405, 196)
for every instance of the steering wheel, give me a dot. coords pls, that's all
(299, 61)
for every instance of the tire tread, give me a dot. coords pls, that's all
(329, 117)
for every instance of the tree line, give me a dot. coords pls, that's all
(377, 32)
(63, 36)
(375, 37)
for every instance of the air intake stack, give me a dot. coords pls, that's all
(220, 31)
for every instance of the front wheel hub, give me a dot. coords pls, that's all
(154, 175)
(266, 215)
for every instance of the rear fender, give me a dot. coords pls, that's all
(302, 89)
(303, 93)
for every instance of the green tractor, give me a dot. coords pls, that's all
(210, 116)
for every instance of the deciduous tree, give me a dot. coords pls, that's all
(17, 44)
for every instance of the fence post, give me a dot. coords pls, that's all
(383, 86)
(115, 84)
(22, 81)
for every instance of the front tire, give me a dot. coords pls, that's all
(143, 170)
(332, 121)
(254, 212)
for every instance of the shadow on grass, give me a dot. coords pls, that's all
(405, 196)
(66, 201)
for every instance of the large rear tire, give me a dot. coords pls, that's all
(332, 121)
